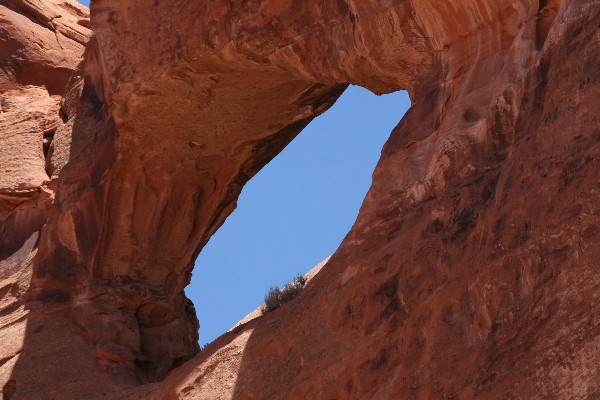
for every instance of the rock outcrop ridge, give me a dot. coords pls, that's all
(471, 271)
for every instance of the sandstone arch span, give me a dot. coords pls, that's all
(479, 225)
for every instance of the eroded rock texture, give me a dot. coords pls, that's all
(41, 43)
(471, 271)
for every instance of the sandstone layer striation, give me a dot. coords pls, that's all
(41, 43)
(471, 271)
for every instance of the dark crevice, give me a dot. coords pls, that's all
(47, 141)
(63, 115)
(47, 148)
(547, 11)
(8, 391)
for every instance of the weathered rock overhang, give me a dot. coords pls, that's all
(177, 104)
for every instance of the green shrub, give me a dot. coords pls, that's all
(276, 297)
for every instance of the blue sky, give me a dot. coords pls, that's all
(296, 211)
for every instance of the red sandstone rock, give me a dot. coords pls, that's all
(41, 43)
(471, 271)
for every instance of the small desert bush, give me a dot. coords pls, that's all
(276, 297)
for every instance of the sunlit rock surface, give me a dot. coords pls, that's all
(471, 271)
(41, 43)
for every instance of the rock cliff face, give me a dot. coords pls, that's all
(41, 43)
(471, 271)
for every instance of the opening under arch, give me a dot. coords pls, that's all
(296, 211)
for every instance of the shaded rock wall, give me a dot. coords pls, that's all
(41, 43)
(471, 270)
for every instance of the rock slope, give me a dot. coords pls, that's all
(471, 271)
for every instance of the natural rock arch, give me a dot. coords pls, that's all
(177, 104)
